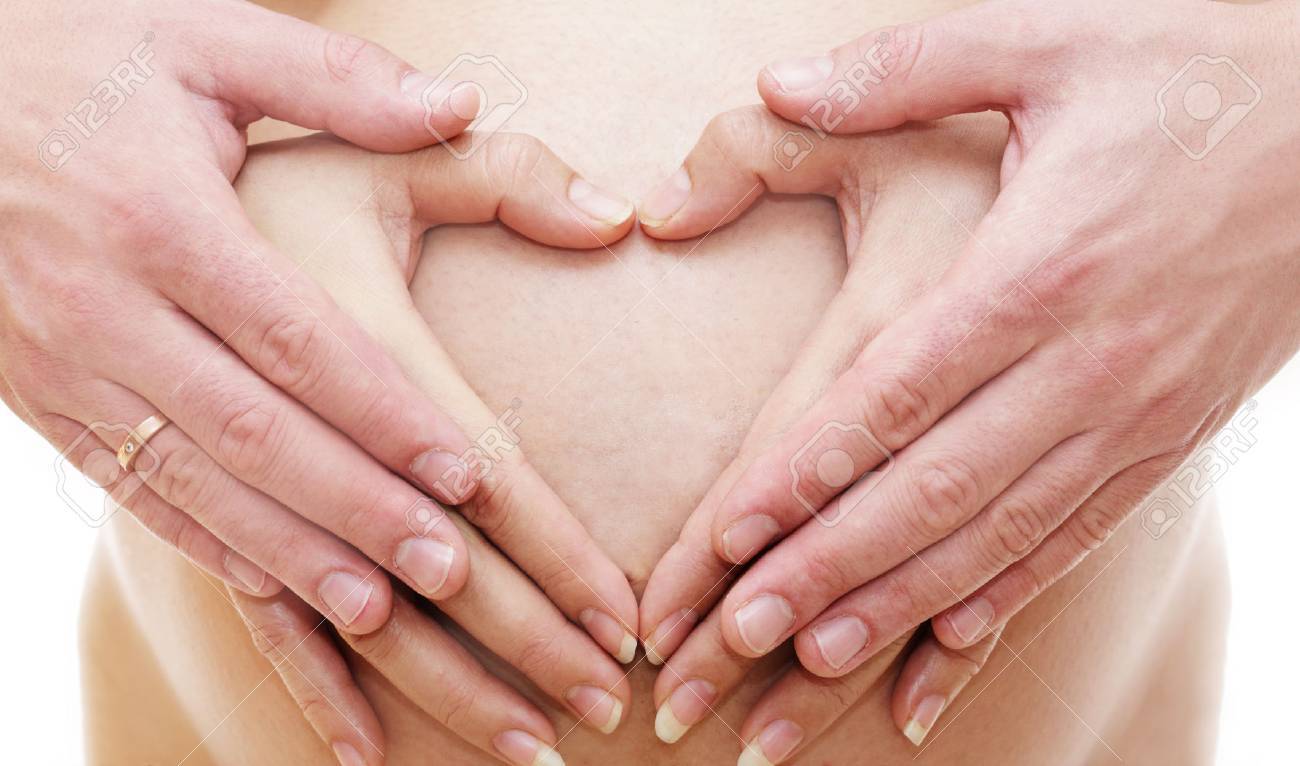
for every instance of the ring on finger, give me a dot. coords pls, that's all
(139, 436)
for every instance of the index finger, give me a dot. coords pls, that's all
(991, 54)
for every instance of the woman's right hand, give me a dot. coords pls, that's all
(523, 608)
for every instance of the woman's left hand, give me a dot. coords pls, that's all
(896, 250)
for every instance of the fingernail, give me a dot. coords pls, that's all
(609, 633)
(427, 562)
(801, 73)
(763, 622)
(669, 635)
(971, 619)
(597, 706)
(773, 744)
(346, 595)
(840, 639)
(251, 575)
(666, 199)
(684, 708)
(460, 98)
(463, 101)
(438, 470)
(601, 206)
(522, 748)
(923, 718)
(347, 755)
(748, 536)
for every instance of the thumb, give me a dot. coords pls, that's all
(984, 57)
(741, 155)
(519, 181)
(316, 78)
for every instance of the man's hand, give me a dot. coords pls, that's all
(131, 283)
(1132, 285)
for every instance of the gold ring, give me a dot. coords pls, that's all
(139, 436)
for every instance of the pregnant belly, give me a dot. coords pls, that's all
(636, 373)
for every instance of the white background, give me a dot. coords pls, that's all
(47, 548)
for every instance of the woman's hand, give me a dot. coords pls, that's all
(897, 249)
(1132, 285)
(522, 608)
(131, 283)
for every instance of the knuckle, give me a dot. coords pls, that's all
(904, 50)
(895, 411)
(250, 437)
(343, 55)
(1064, 279)
(558, 574)
(842, 694)
(734, 134)
(514, 157)
(1127, 353)
(171, 528)
(184, 478)
(692, 563)
(907, 598)
(1019, 526)
(1020, 314)
(382, 416)
(149, 220)
(1095, 526)
(288, 556)
(380, 647)
(187, 537)
(369, 515)
(829, 570)
(689, 659)
(293, 351)
(1018, 586)
(968, 662)
(274, 637)
(735, 127)
(539, 654)
(313, 705)
(496, 504)
(71, 299)
(455, 706)
(943, 493)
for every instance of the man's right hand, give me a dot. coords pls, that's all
(132, 283)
